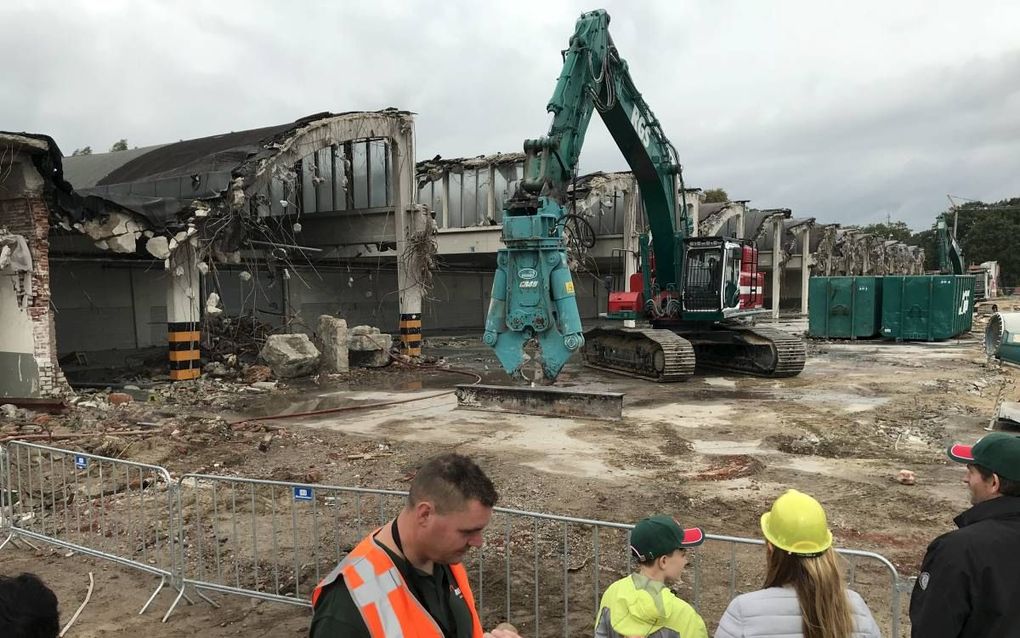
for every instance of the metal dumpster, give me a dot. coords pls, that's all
(844, 307)
(1002, 337)
(927, 307)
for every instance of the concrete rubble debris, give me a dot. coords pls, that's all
(9, 411)
(332, 339)
(158, 247)
(256, 374)
(368, 347)
(906, 477)
(216, 369)
(212, 305)
(290, 355)
(119, 398)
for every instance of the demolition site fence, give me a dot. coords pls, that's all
(274, 541)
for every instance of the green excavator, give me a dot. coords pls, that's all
(692, 301)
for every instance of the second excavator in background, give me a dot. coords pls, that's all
(694, 298)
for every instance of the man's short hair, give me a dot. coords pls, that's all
(449, 481)
(28, 608)
(1007, 487)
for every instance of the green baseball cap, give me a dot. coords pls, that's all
(998, 452)
(661, 535)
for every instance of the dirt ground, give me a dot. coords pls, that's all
(714, 450)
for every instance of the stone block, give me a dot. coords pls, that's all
(332, 341)
(290, 355)
(369, 342)
(370, 358)
(358, 331)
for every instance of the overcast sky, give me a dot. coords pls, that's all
(848, 112)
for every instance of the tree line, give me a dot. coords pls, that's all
(985, 232)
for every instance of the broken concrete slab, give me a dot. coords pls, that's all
(290, 355)
(332, 336)
(365, 343)
(369, 348)
(542, 401)
(158, 247)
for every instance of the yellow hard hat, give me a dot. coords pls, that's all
(797, 524)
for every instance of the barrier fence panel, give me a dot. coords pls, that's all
(107, 508)
(726, 566)
(270, 539)
(545, 574)
(275, 540)
(5, 499)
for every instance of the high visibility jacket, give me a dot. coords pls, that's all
(650, 609)
(386, 603)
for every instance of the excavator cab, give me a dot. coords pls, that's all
(720, 278)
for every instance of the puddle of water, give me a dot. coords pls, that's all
(373, 390)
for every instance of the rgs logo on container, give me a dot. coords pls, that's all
(528, 277)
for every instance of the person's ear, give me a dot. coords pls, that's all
(995, 483)
(423, 512)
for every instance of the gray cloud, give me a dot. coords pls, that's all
(845, 113)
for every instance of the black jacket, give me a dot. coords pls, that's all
(969, 584)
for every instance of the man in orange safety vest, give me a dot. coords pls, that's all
(405, 579)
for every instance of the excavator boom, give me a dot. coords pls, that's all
(533, 310)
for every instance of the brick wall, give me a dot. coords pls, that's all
(29, 217)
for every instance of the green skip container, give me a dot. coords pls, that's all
(927, 307)
(844, 307)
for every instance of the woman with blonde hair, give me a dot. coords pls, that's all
(805, 594)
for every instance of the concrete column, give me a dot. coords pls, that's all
(444, 195)
(490, 203)
(740, 222)
(409, 220)
(183, 314)
(777, 237)
(805, 267)
(629, 242)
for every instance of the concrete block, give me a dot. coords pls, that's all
(290, 355)
(370, 358)
(369, 342)
(332, 341)
(358, 331)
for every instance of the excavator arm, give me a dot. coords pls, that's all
(533, 314)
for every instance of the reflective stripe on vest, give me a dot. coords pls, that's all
(386, 603)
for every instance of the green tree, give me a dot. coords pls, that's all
(898, 231)
(716, 196)
(85, 150)
(988, 232)
(120, 145)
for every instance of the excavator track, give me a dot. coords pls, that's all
(646, 353)
(763, 352)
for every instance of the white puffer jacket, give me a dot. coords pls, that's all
(775, 613)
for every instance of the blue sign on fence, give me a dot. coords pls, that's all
(302, 493)
(81, 462)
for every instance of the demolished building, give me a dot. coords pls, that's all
(202, 248)
(130, 246)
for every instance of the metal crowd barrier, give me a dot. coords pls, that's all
(546, 573)
(271, 540)
(274, 540)
(116, 510)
